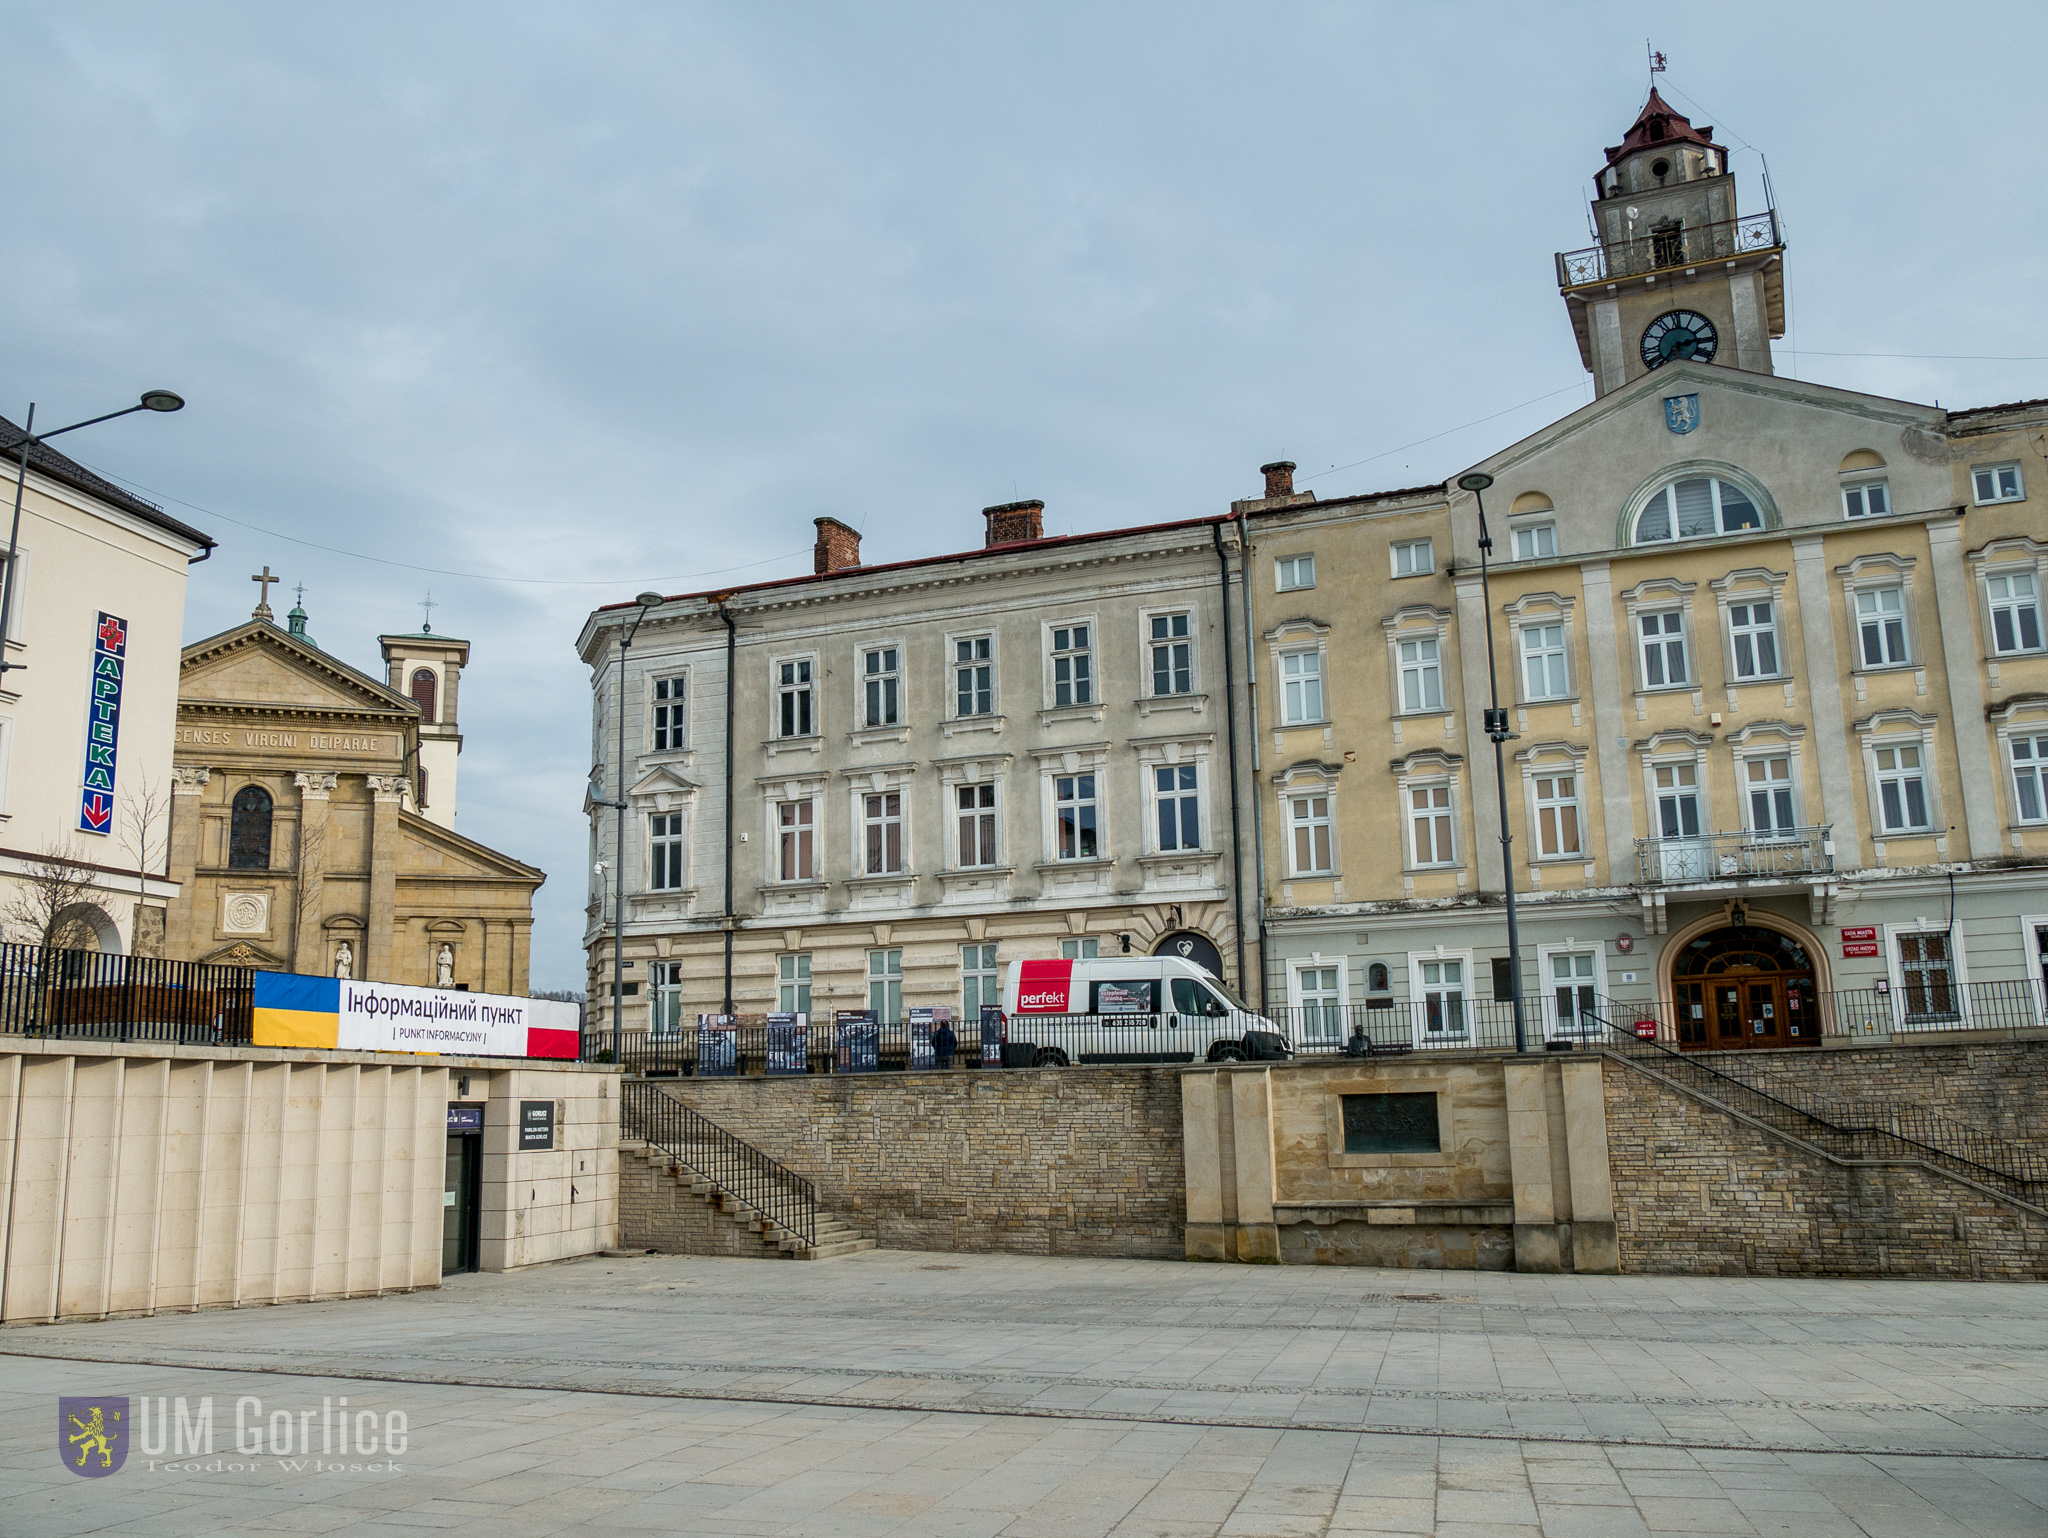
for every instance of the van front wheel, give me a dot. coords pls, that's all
(1049, 1057)
(1226, 1052)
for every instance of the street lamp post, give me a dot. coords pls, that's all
(646, 601)
(1497, 729)
(152, 400)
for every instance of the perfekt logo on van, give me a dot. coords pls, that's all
(1044, 987)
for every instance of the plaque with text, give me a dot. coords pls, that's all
(536, 1125)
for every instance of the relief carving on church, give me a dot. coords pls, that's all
(245, 913)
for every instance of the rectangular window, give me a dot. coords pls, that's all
(1663, 638)
(1443, 996)
(1079, 950)
(1678, 800)
(1422, 678)
(669, 710)
(1309, 817)
(1753, 629)
(974, 676)
(793, 975)
(981, 981)
(1180, 816)
(885, 984)
(1321, 994)
(1301, 687)
(1073, 682)
(1294, 572)
(665, 851)
(794, 824)
(794, 682)
(1536, 541)
(1927, 976)
(1770, 795)
(1870, 499)
(1998, 483)
(2015, 612)
(1413, 558)
(1557, 815)
(2030, 779)
(1429, 814)
(1881, 624)
(1389, 1124)
(882, 820)
(1544, 674)
(1901, 790)
(1572, 986)
(1173, 655)
(881, 679)
(1075, 814)
(976, 805)
(665, 999)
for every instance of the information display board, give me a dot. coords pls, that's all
(788, 1039)
(718, 1046)
(921, 1026)
(991, 1036)
(859, 1041)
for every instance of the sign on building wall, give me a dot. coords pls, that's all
(293, 1010)
(1859, 940)
(718, 1046)
(536, 1125)
(103, 725)
(859, 1041)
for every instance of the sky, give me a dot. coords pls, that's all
(534, 307)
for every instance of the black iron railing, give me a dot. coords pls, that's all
(1651, 250)
(1927, 1005)
(93, 996)
(739, 1170)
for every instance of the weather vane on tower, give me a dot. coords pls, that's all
(427, 608)
(1656, 61)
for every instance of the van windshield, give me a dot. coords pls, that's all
(1222, 990)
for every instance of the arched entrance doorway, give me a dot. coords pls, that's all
(1745, 986)
(1192, 946)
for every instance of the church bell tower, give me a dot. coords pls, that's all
(1679, 273)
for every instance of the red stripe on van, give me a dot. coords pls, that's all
(1044, 987)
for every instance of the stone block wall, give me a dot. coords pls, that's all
(1699, 1192)
(1999, 1087)
(1076, 1161)
(658, 1212)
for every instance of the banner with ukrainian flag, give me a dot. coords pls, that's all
(293, 1010)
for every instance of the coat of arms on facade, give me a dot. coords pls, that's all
(92, 1435)
(1681, 412)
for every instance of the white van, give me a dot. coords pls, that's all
(1129, 1009)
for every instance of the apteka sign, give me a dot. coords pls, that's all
(103, 725)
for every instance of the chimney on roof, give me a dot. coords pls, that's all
(838, 546)
(1279, 478)
(1013, 521)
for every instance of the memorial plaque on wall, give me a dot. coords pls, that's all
(718, 1045)
(859, 1040)
(991, 1036)
(787, 1039)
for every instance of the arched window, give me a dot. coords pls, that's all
(423, 685)
(1376, 977)
(1695, 507)
(249, 830)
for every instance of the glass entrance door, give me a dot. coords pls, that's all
(461, 1200)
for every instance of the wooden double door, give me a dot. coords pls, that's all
(1746, 989)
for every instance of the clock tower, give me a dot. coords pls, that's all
(1678, 272)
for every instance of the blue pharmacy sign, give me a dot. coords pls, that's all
(103, 725)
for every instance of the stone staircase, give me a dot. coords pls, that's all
(747, 1232)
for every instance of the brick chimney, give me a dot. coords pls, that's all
(838, 546)
(1013, 521)
(1279, 478)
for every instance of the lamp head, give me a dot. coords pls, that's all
(163, 400)
(648, 600)
(1477, 480)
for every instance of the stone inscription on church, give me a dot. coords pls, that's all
(312, 742)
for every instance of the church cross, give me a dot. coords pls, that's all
(263, 603)
(298, 594)
(427, 608)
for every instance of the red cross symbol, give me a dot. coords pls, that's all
(112, 632)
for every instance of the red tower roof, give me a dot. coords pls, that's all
(1658, 123)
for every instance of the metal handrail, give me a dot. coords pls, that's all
(2011, 1167)
(737, 1168)
(1727, 856)
(1659, 250)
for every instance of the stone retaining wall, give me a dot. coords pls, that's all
(2000, 1087)
(1075, 1161)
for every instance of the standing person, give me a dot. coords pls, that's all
(944, 1042)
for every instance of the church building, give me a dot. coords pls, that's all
(313, 816)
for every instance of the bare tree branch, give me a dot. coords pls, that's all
(45, 904)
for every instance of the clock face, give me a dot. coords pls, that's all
(1679, 334)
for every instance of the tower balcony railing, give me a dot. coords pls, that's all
(1659, 250)
(1794, 853)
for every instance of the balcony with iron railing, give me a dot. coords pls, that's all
(1793, 854)
(1661, 250)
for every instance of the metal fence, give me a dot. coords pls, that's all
(93, 996)
(1921, 1008)
(1653, 250)
(739, 1170)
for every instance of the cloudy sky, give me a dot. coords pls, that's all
(536, 306)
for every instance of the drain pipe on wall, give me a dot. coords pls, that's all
(1251, 694)
(732, 641)
(1230, 727)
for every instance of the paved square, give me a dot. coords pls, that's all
(963, 1396)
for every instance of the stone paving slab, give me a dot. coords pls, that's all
(1004, 1397)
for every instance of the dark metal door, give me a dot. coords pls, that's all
(462, 1201)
